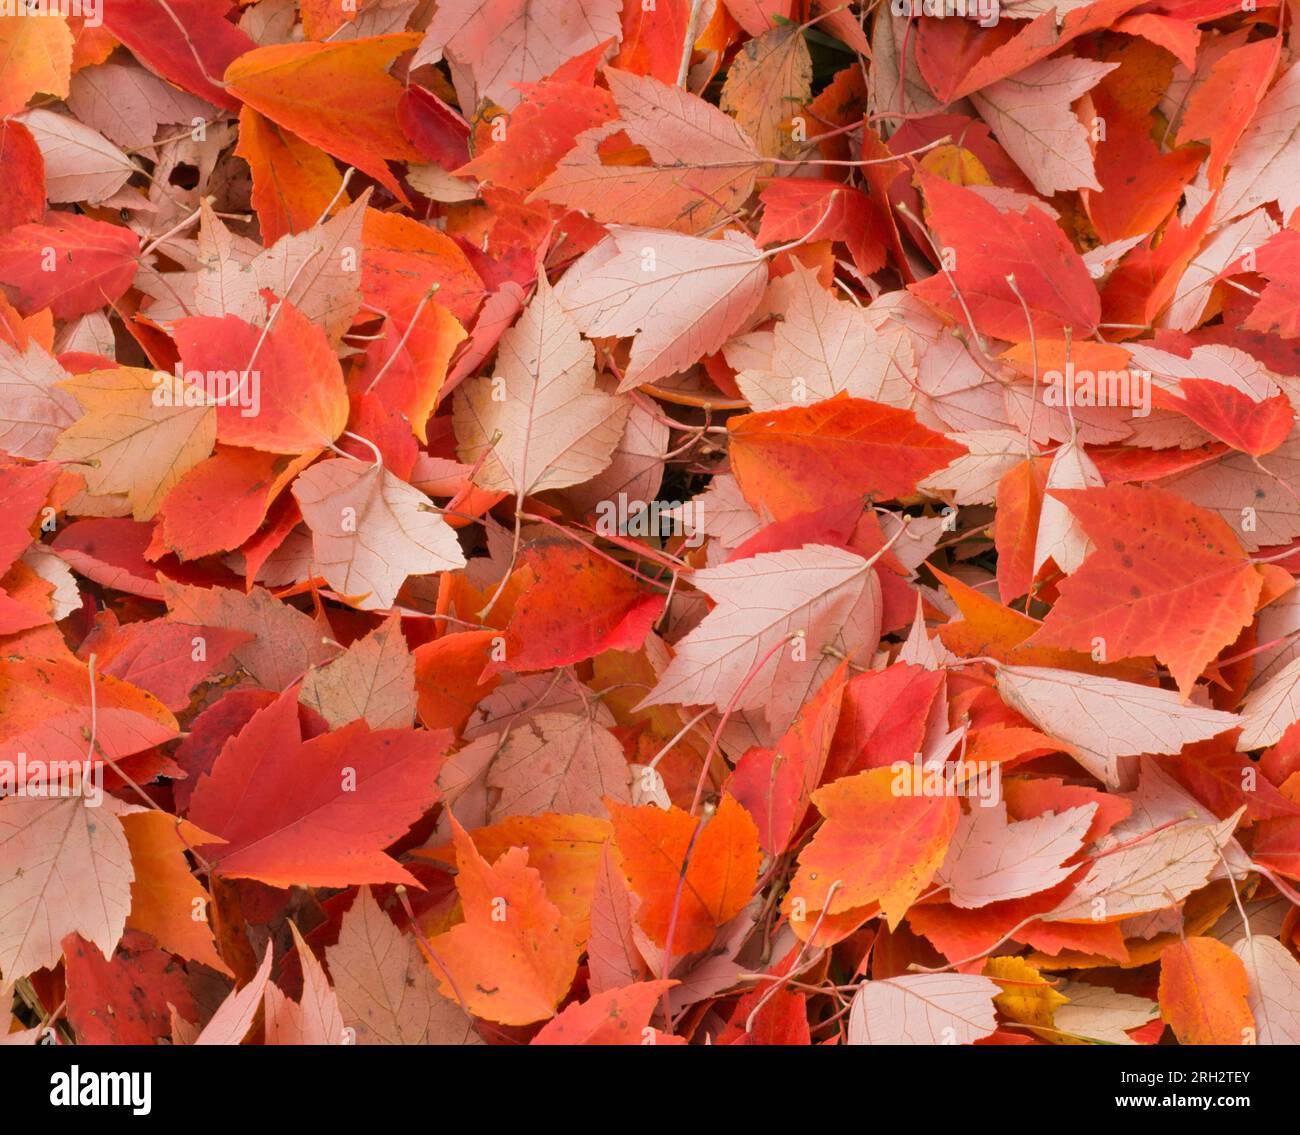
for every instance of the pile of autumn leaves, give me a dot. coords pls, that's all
(943, 711)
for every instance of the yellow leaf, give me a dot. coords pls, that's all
(142, 431)
(1026, 995)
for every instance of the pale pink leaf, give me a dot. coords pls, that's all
(681, 296)
(1223, 485)
(386, 990)
(374, 679)
(316, 1018)
(1060, 536)
(636, 467)
(370, 530)
(973, 478)
(923, 1009)
(64, 866)
(494, 45)
(126, 103)
(612, 956)
(80, 163)
(34, 410)
(791, 605)
(1153, 873)
(990, 860)
(823, 346)
(1103, 719)
(1100, 1014)
(558, 762)
(1030, 115)
(1192, 293)
(539, 422)
(1271, 709)
(235, 1015)
(1274, 996)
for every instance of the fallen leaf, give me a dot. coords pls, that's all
(92, 263)
(991, 860)
(1274, 976)
(370, 530)
(778, 609)
(367, 788)
(373, 681)
(987, 247)
(681, 296)
(1103, 719)
(1203, 990)
(513, 957)
(680, 188)
(386, 990)
(1184, 612)
(559, 763)
(840, 871)
(539, 423)
(140, 433)
(799, 460)
(616, 1016)
(701, 870)
(338, 96)
(939, 1008)
(67, 868)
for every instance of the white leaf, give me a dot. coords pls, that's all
(973, 478)
(1104, 719)
(33, 409)
(990, 860)
(1097, 1013)
(80, 163)
(681, 296)
(1031, 116)
(1060, 536)
(371, 530)
(539, 423)
(1274, 996)
(1271, 709)
(235, 1015)
(1150, 874)
(823, 346)
(64, 866)
(636, 467)
(931, 1008)
(830, 595)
